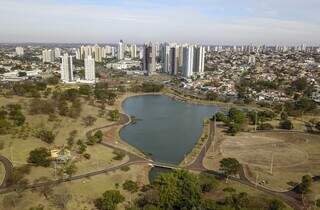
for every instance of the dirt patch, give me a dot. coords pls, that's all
(276, 160)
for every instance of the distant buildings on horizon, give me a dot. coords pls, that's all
(185, 60)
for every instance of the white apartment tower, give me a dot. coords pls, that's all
(19, 51)
(187, 68)
(121, 50)
(199, 59)
(89, 65)
(57, 52)
(133, 50)
(67, 68)
(97, 53)
(48, 56)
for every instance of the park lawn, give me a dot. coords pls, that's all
(101, 158)
(85, 191)
(18, 145)
(17, 150)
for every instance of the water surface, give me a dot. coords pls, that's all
(166, 129)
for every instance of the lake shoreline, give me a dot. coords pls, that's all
(126, 96)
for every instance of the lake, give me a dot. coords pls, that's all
(165, 128)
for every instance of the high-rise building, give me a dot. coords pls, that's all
(78, 54)
(252, 60)
(187, 68)
(48, 56)
(174, 60)
(97, 53)
(113, 51)
(141, 53)
(149, 58)
(121, 50)
(133, 50)
(57, 52)
(89, 65)
(170, 58)
(67, 68)
(165, 52)
(19, 51)
(199, 58)
(85, 51)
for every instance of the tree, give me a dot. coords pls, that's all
(130, 186)
(276, 204)
(238, 201)
(85, 90)
(234, 128)
(4, 126)
(46, 136)
(178, 190)
(22, 74)
(220, 117)
(265, 126)
(304, 186)
(109, 200)
(230, 166)
(286, 124)
(207, 182)
(237, 116)
(89, 120)
(114, 115)
(40, 157)
(98, 135)
(318, 203)
(70, 168)
(81, 147)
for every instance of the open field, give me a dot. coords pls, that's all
(84, 191)
(287, 155)
(18, 145)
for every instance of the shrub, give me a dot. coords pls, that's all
(125, 168)
(46, 136)
(234, 128)
(265, 127)
(286, 124)
(40, 157)
(87, 156)
(119, 154)
(220, 117)
(130, 186)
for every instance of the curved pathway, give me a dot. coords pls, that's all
(8, 171)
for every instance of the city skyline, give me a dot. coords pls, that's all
(202, 21)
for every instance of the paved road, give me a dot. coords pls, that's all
(197, 164)
(8, 171)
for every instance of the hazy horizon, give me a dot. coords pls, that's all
(215, 22)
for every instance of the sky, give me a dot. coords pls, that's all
(225, 22)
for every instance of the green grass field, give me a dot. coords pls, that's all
(84, 191)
